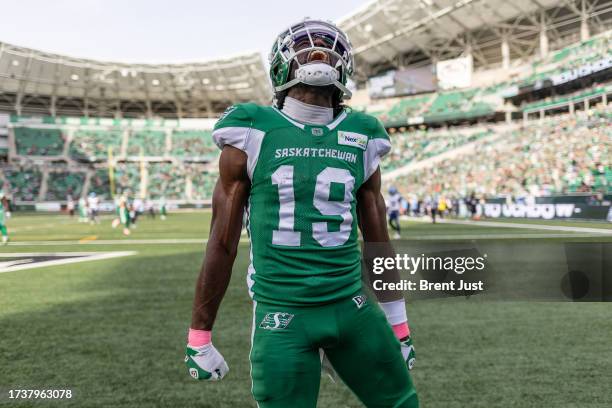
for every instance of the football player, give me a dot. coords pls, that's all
(93, 202)
(123, 214)
(307, 172)
(163, 212)
(395, 202)
(4, 213)
(83, 210)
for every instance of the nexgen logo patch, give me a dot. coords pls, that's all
(353, 139)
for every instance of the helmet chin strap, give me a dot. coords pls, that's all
(316, 74)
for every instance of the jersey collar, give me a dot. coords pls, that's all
(337, 121)
(330, 126)
(295, 122)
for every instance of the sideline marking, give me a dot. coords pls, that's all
(27, 260)
(126, 241)
(517, 225)
(88, 238)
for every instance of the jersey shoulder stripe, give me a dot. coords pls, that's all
(378, 140)
(238, 127)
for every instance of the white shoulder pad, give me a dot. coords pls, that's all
(246, 139)
(376, 149)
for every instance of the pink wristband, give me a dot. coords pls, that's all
(401, 330)
(198, 338)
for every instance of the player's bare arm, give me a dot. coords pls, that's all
(229, 199)
(371, 215)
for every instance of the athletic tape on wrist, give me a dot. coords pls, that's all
(198, 338)
(401, 330)
(395, 311)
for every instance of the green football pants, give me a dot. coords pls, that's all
(358, 341)
(3, 230)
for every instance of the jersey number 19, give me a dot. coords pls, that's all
(286, 235)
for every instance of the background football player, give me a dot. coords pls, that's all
(4, 213)
(307, 172)
(395, 202)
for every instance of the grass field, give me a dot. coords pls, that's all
(114, 330)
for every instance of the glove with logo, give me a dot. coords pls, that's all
(408, 351)
(397, 318)
(205, 363)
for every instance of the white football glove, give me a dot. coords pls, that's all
(205, 363)
(408, 352)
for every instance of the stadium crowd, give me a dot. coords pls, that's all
(421, 143)
(563, 154)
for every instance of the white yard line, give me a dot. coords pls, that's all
(180, 241)
(85, 256)
(113, 242)
(528, 226)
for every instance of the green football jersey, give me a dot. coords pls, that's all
(301, 211)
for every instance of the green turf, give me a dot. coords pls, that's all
(114, 330)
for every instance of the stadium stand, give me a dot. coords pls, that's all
(135, 148)
(166, 180)
(31, 141)
(202, 180)
(147, 142)
(191, 144)
(563, 154)
(60, 184)
(579, 96)
(99, 183)
(127, 178)
(410, 146)
(568, 58)
(93, 145)
(24, 181)
(402, 109)
(483, 101)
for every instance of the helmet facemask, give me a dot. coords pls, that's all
(320, 52)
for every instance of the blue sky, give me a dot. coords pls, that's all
(154, 30)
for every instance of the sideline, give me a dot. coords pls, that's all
(515, 225)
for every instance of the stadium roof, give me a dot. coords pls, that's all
(194, 88)
(384, 30)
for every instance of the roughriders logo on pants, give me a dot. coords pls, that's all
(276, 321)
